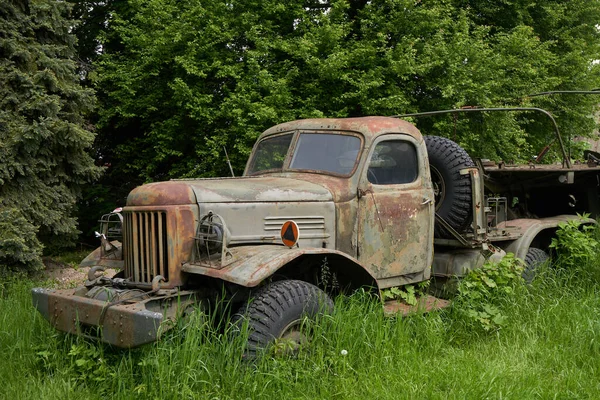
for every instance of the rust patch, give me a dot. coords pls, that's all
(369, 126)
(424, 304)
(162, 194)
(256, 263)
(129, 324)
(157, 241)
(396, 233)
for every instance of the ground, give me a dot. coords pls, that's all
(67, 274)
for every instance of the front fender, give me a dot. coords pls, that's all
(113, 260)
(253, 264)
(531, 228)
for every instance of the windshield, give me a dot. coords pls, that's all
(325, 152)
(270, 153)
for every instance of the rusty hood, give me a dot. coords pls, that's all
(228, 190)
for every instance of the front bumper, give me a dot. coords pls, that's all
(124, 325)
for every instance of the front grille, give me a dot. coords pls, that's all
(145, 245)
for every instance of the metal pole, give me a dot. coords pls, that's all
(566, 160)
(595, 91)
(228, 162)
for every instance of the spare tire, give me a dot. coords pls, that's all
(451, 189)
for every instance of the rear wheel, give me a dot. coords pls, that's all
(276, 313)
(533, 259)
(452, 190)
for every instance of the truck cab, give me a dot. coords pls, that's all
(377, 174)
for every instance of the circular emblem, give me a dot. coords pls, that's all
(290, 233)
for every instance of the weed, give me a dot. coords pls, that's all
(575, 244)
(483, 290)
(544, 345)
(407, 293)
(404, 293)
(327, 279)
(83, 362)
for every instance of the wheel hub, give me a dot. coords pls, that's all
(291, 339)
(439, 188)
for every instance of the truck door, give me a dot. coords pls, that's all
(396, 211)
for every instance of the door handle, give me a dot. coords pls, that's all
(425, 201)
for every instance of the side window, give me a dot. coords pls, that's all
(393, 162)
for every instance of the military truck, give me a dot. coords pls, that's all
(325, 206)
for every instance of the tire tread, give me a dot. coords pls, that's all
(449, 158)
(269, 306)
(533, 259)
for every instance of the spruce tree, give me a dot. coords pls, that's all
(44, 140)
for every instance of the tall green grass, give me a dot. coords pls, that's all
(548, 347)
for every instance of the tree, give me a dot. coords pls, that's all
(569, 33)
(180, 80)
(44, 139)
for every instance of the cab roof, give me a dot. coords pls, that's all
(369, 127)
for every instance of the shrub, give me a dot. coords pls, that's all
(576, 247)
(575, 243)
(482, 292)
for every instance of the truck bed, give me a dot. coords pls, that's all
(545, 190)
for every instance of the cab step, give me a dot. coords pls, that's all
(424, 304)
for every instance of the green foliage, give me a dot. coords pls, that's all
(84, 362)
(91, 16)
(482, 291)
(179, 80)
(19, 246)
(44, 139)
(71, 259)
(407, 293)
(530, 29)
(552, 327)
(575, 243)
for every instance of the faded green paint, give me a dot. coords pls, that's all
(376, 234)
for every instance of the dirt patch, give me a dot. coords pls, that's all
(65, 275)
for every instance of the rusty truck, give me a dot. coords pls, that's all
(325, 206)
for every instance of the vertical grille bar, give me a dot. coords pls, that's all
(147, 267)
(142, 250)
(154, 233)
(142, 241)
(163, 266)
(129, 249)
(125, 228)
(127, 235)
(145, 245)
(164, 241)
(135, 245)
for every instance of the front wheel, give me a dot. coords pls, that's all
(275, 314)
